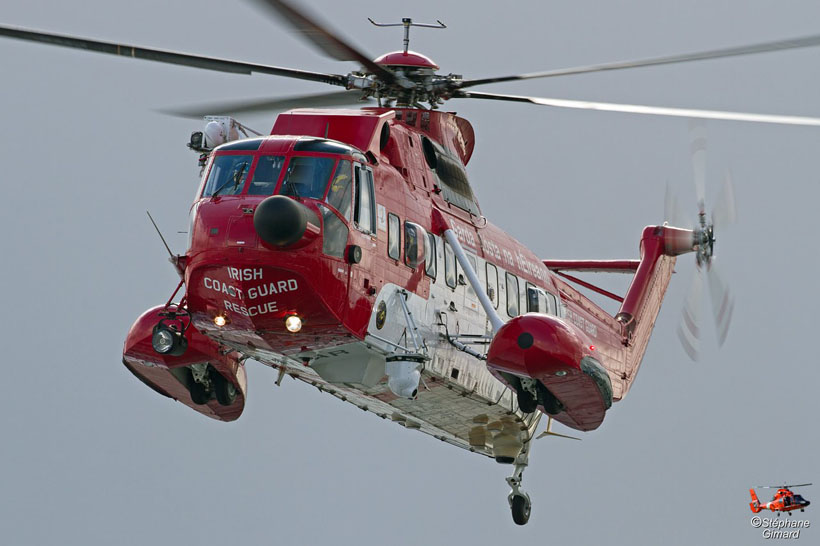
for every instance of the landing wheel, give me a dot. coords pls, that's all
(551, 404)
(521, 508)
(200, 394)
(224, 389)
(526, 401)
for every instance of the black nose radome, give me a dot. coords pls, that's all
(281, 221)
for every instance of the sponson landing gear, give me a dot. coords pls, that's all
(519, 500)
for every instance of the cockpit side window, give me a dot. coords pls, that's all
(339, 194)
(307, 176)
(266, 174)
(227, 175)
(365, 207)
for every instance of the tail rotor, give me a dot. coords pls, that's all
(724, 214)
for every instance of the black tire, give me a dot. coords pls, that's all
(527, 402)
(521, 509)
(551, 404)
(200, 394)
(225, 390)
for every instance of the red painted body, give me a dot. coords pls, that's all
(155, 370)
(229, 272)
(406, 59)
(554, 358)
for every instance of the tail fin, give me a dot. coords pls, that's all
(755, 504)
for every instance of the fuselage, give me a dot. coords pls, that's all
(370, 278)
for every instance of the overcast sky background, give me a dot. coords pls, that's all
(89, 455)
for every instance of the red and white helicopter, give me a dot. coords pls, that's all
(347, 250)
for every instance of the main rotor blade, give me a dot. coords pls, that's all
(722, 303)
(807, 41)
(267, 104)
(689, 327)
(328, 42)
(640, 109)
(169, 57)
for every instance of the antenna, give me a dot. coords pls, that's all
(406, 22)
(160, 235)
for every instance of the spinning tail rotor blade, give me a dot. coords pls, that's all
(689, 327)
(336, 98)
(722, 303)
(325, 40)
(673, 213)
(697, 132)
(724, 214)
(643, 109)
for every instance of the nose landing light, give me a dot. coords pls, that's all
(293, 323)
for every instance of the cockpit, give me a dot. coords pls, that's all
(333, 175)
(235, 171)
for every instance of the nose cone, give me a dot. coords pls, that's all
(282, 221)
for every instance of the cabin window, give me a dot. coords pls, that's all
(449, 266)
(339, 194)
(462, 280)
(228, 174)
(536, 300)
(393, 236)
(430, 256)
(307, 177)
(532, 298)
(414, 244)
(364, 211)
(513, 298)
(492, 284)
(266, 174)
(553, 303)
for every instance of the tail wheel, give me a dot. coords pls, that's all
(225, 390)
(521, 508)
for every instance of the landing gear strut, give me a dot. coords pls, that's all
(519, 500)
(520, 503)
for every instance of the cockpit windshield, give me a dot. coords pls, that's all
(307, 176)
(266, 174)
(227, 175)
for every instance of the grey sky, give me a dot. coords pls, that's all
(89, 455)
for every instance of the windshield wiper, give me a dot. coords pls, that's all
(292, 189)
(237, 176)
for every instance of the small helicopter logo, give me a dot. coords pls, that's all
(782, 501)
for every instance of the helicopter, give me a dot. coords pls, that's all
(425, 309)
(784, 500)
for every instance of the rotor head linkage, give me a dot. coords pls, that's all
(407, 22)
